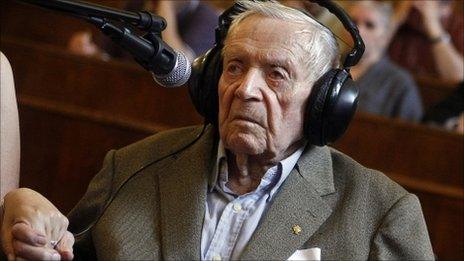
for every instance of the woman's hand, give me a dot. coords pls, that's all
(33, 228)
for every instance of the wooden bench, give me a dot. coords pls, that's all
(404, 148)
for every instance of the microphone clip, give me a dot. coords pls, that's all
(150, 51)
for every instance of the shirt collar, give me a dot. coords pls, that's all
(275, 176)
(221, 155)
(287, 166)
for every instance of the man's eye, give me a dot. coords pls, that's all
(276, 75)
(234, 69)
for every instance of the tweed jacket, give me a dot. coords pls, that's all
(148, 202)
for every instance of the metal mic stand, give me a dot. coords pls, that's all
(150, 51)
(144, 20)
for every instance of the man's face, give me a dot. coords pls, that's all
(263, 88)
(372, 28)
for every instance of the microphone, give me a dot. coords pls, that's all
(168, 67)
(178, 76)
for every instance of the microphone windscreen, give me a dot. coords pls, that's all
(179, 74)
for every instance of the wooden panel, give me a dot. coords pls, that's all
(60, 153)
(112, 88)
(394, 146)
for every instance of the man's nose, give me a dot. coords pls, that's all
(251, 84)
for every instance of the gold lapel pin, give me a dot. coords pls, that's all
(296, 229)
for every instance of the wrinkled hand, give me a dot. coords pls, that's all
(31, 226)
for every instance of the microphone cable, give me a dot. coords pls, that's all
(111, 198)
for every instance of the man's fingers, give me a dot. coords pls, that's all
(30, 252)
(65, 246)
(59, 228)
(28, 235)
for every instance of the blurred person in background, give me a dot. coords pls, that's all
(430, 38)
(385, 88)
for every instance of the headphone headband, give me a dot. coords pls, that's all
(353, 57)
(358, 49)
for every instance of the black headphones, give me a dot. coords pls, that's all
(333, 99)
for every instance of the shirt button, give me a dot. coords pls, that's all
(216, 258)
(237, 207)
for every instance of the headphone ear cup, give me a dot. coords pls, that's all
(330, 107)
(313, 124)
(203, 82)
(342, 106)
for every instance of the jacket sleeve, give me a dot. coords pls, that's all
(402, 234)
(88, 210)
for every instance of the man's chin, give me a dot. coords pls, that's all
(244, 144)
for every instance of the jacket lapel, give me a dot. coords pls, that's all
(182, 189)
(298, 203)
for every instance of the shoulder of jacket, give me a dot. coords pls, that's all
(136, 156)
(364, 180)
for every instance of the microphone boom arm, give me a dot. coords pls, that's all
(149, 51)
(145, 21)
(169, 68)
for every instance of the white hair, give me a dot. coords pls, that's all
(320, 43)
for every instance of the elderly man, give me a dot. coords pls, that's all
(250, 188)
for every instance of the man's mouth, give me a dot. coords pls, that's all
(245, 118)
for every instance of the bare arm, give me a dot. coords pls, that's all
(9, 141)
(449, 62)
